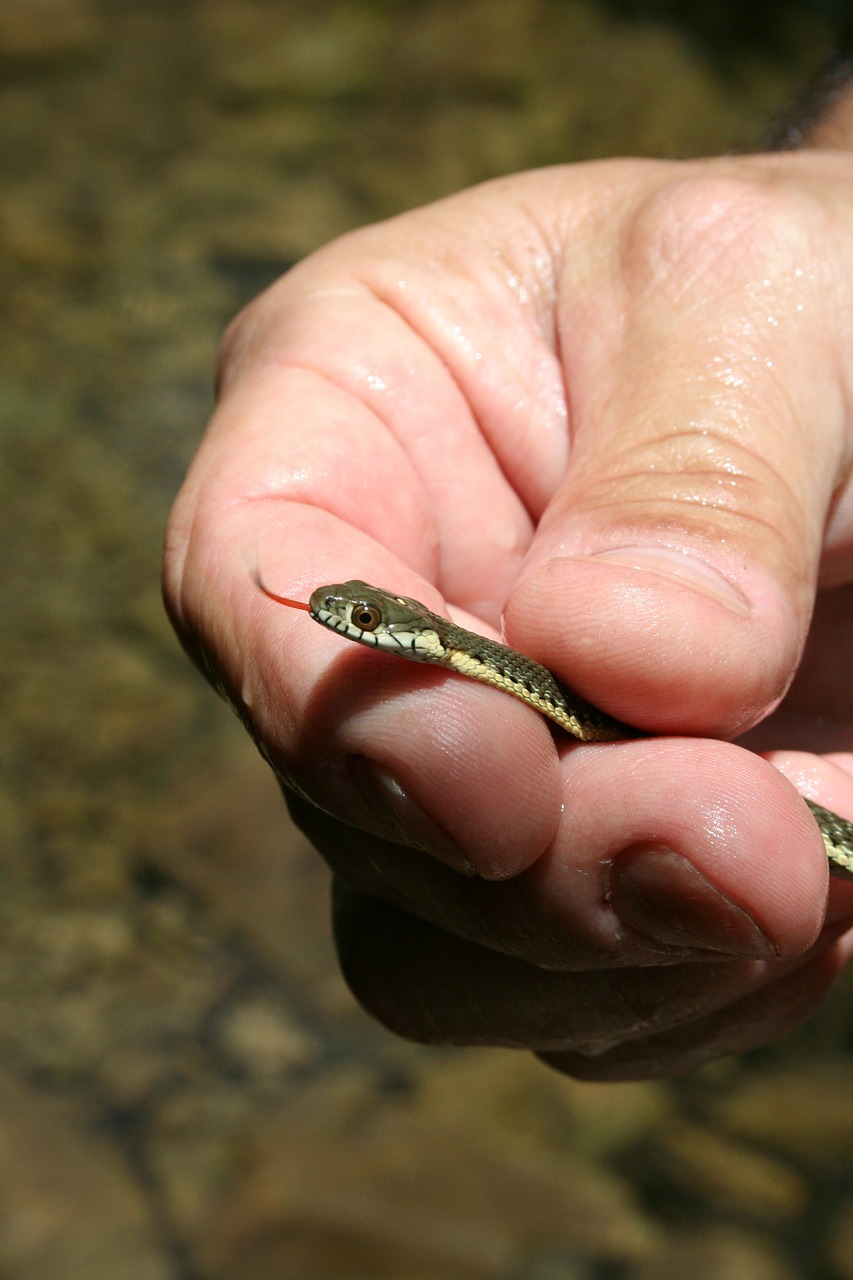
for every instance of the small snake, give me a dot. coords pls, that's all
(399, 625)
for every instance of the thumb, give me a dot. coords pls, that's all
(672, 577)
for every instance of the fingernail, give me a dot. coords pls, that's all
(395, 808)
(658, 893)
(682, 567)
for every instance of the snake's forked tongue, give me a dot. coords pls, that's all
(292, 604)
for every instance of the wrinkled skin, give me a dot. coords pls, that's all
(609, 404)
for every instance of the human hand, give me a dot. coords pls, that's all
(611, 402)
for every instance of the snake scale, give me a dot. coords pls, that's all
(396, 624)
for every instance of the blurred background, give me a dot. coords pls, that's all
(187, 1091)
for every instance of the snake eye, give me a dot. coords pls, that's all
(365, 616)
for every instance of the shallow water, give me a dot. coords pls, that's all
(189, 1093)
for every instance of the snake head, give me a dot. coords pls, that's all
(378, 619)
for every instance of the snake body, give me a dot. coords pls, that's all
(407, 628)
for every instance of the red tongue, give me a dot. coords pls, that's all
(293, 604)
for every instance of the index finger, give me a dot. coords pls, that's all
(324, 452)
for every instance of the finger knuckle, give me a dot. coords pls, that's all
(716, 229)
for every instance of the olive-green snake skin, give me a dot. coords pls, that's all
(398, 625)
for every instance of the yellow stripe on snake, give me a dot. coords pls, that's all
(399, 625)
